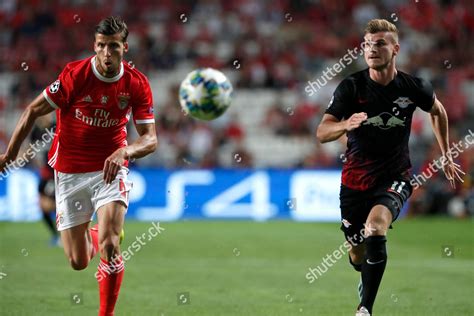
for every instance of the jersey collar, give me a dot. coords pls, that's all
(106, 79)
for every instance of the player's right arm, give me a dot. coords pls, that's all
(338, 118)
(35, 109)
(331, 128)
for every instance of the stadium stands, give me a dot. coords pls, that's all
(269, 50)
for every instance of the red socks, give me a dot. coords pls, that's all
(109, 275)
(95, 239)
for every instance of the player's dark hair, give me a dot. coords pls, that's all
(112, 25)
(382, 25)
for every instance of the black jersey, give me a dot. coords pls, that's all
(379, 147)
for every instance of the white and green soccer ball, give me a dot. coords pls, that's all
(205, 94)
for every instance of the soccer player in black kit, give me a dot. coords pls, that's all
(375, 107)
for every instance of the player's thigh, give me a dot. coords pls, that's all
(75, 242)
(354, 212)
(74, 205)
(111, 203)
(387, 203)
(111, 217)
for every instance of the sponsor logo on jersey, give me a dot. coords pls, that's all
(123, 99)
(403, 102)
(54, 87)
(384, 120)
(100, 118)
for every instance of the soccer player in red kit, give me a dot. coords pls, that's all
(94, 99)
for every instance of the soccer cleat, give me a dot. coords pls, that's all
(122, 236)
(362, 311)
(360, 288)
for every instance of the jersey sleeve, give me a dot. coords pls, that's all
(142, 108)
(425, 95)
(58, 94)
(341, 100)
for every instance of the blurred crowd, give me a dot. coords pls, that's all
(278, 45)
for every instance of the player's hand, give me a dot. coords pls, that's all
(453, 172)
(113, 163)
(355, 121)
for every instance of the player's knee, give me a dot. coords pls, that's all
(109, 246)
(376, 227)
(78, 263)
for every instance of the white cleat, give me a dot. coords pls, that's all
(362, 311)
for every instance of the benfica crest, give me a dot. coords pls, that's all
(123, 99)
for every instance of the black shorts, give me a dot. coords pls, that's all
(46, 187)
(356, 205)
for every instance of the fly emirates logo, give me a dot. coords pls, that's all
(100, 118)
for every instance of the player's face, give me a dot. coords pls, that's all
(109, 50)
(379, 50)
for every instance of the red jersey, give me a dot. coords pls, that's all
(92, 114)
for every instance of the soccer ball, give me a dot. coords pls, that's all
(205, 94)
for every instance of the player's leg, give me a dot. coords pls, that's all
(47, 206)
(373, 265)
(77, 243)
(356, 257)
(388, 201)
(111, 203)
(354, 213)
(111, 268)
(74, 211)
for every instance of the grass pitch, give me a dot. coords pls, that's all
(243, 268)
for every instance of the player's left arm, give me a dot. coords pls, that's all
(145, 144)
(440, 125)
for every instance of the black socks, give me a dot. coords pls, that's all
(373, 268)
(49, 222)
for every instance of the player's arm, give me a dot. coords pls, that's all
(439, 122)
(331, 128)
(145, 144)
(35, 109)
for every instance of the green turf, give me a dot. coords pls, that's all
(243, 268)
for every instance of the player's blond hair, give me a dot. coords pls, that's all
(382, 25)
